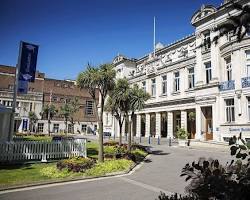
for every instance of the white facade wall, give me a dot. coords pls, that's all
(207, 100)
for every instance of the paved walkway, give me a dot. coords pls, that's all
(161, 172)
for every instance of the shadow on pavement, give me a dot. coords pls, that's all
(159, 153)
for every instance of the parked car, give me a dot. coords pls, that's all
(60, 138)
(106, 134)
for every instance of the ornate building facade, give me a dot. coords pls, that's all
(203, 87)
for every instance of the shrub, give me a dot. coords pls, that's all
(110, 150)
(109, 166)
(53, 172)
(110, 143)
(210, 180)
(114, 150)
(163, 196)
(76, 164)
(182, 134)
(139, 154)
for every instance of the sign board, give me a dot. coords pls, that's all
(27, 66)
(22, 87)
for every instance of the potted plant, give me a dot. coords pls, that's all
(192, 117)
(182, 137)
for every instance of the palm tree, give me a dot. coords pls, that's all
(65, 111)
(33, 120)
(138, 97)
(98, 81)
(129, 99)
(113, 106)
(239, 24)
(49, 111)
(121, 95)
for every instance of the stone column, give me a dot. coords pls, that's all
(170, 125)
(138, 125)
(147, 126)
(184, 119)
(198, 122)
(158, 124)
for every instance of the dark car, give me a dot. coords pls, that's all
(106, 134)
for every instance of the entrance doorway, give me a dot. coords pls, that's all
(208, 122)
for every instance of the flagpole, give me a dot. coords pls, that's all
(154, 36)
(15, 89)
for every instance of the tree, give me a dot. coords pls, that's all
(115, 106)
(74, 105)
(65, 111)
(129, 99)
(138, 97)
(33, 120)
(49, 112)
(239, 24)
(121, 95)
(101, 80)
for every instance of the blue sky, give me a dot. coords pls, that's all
(72, 33)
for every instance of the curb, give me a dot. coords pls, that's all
(130, 171)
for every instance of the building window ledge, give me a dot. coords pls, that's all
(176, 93)
(163, 95)
(190, 90)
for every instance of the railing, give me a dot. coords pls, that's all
(227, 85)
(41, 150)
(245, 82)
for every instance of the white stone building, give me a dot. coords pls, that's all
(212, 81)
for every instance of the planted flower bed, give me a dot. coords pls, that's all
(117, 159)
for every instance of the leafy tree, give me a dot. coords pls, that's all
(74, 105)
(99, 81)
(33, 120)
(49, 111)
(65, 111)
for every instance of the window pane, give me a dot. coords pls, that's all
(89, 108)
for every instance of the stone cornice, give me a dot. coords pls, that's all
(171, 102)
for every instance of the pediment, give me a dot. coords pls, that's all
(202, 13)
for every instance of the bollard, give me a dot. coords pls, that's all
(170, 142)
(114, 136)
(158, 141)
(126, 137)
(149, 140)
(140, 139)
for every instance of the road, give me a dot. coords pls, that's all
(160, 172)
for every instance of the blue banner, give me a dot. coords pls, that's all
(28, 60)
(22, 87)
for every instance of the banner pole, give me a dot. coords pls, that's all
(12, 120)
